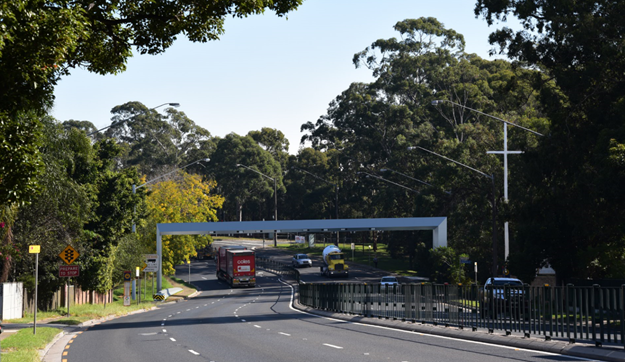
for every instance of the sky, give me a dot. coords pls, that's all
(265, 71)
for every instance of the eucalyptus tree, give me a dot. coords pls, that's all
(239, 186)
(371, 125)
(152, 141)
(574, 217)
(41, 41)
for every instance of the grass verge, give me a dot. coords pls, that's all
(23, 346)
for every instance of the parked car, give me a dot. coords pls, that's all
(300, 260)
(388, 282)
(505, 296)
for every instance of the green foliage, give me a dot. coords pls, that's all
(20, 160)
(572, 214)
(42, 40)
(239, 185)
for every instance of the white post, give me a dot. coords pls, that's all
(36, 283)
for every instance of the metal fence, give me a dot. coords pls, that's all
(277, 267)
(575, 313)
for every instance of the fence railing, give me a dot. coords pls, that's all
(277, 267)
(575, 313)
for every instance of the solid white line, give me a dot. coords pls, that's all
(333, 346)
(284, 334)
(173, 340)
(195, 353)
(426, 334)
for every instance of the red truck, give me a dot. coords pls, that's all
(237, 266)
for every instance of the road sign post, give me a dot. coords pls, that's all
(35, 249)
(138, 286)
(127, 277)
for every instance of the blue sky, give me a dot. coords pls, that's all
(265, 71)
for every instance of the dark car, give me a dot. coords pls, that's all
(504, 296)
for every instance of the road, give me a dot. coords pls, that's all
(259, 324)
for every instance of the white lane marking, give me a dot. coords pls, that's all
(284, 334)
(195, 353)
(257, 326)
(177, 312)
(366, 354)
(165, 319)
(188, 310)
(147, 334)
(164, 331)
(425, 334)
(333, 346)
(173, 340)
(170, 316)
(204, 278)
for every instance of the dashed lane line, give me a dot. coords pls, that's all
(333, 346)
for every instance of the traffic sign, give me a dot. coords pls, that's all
(69, 255)
(34, 249)
(68, 271)
(151, 263)
(127, 276)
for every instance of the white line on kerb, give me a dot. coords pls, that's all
(195, 353)
(333, 346)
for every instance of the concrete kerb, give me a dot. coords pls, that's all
(606, 353)
(53, 351)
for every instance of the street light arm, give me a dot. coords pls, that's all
(315, 176)
(436, 102)
(412, 178)
(389, 181)
(169, 173)
(258, 172)
(449, 159)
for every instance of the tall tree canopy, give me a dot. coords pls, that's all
(371, 125)
(43, 40)
(574, 217)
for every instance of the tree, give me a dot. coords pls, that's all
(151, 141)
(184, 199)
(573, 216)
(20, 161)
(371, 126)
(43, 40)
(241, 186)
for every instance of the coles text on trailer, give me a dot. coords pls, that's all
(221, 259)
(241, 268)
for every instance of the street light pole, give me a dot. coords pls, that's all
(275, 198)
(505, 154)
(494, 202)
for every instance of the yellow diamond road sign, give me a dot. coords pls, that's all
(69, 255)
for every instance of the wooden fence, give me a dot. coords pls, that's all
(59, 299)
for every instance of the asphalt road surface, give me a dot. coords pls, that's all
(259, 324)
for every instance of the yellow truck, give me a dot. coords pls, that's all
(334, 263)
